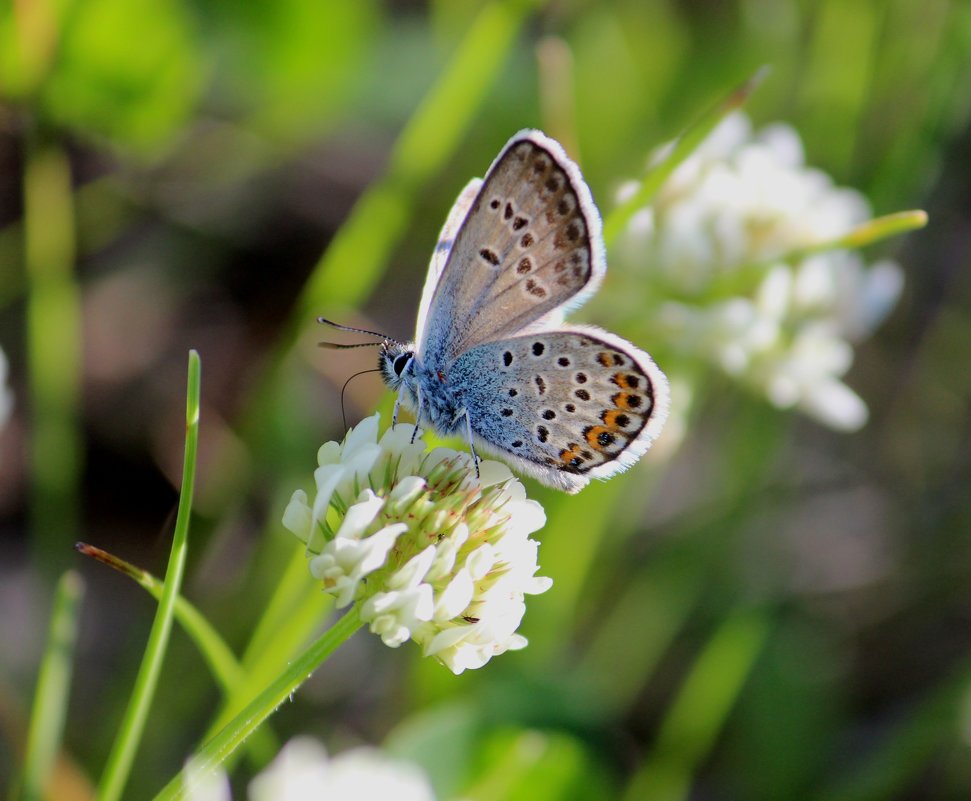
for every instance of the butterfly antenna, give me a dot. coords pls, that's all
(344, 388)
(340, 346)
(339, 327)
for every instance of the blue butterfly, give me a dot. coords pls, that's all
(492, 359)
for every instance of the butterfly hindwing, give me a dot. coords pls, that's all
(563, 405)
(529, 245)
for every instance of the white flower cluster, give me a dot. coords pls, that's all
(303, 772)
(727, 251)
(430, 552)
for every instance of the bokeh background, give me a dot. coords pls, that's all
(770, 610)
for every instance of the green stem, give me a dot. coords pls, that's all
(746, 278)
(53, 685)
(209, 758)
(355, 259)
(122, 754)
(53, 348)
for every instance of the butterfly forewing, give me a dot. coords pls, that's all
(446, 240)
(567, 405)
(530, 244)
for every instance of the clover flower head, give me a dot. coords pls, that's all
(728, 252)
(302, 771)
(428, 550)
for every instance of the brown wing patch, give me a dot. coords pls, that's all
(525, 248)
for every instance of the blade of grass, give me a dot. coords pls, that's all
(53, 688)
(354, 260)
(129, 735)
(682, 147)
(700, 709)
(876, 229)
(212, 755)
(53, 349)
(352, 264)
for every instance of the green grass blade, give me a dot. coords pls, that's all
(53, 688)
(871, 231)
(745, 278)
(122, 754)
(353, 263)
(53, 349)
(212, 755)
(683, 147)
(699, 712)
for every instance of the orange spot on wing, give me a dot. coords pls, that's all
(571, 456)
(626, 380)
(615, 419)
(628, 401)
(593, 435)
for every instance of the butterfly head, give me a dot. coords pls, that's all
(394, 361)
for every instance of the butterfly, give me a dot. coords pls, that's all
(492, 359)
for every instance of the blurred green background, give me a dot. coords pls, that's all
(774, 611)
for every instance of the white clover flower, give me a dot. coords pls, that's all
(303, 771)
(725, 254)
(429, 551)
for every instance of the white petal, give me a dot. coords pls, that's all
(455, 598)
(493, 472)
(836, 405)
(360, 515)
(205, 787)
(366, 774)
(297, 516)
(300, 772)
(414, 570)
(363, 434)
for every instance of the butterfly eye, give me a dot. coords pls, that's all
(401, 363)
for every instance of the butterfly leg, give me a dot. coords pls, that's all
(414, 433)
(468, 436)
(397, 407)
